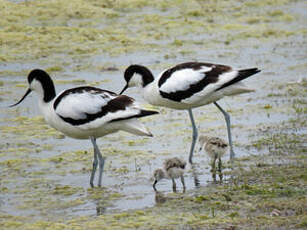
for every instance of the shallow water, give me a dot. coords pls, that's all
(40, 168)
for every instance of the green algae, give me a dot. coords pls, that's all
(44, 31)
(74, 81)
(263, 3)
(210, 209)
(65, 190)
(54, 69)
(27, 128)
(281, 15)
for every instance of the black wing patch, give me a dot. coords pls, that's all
(209, 78)
(119, 103)
(143, 113)
(242, 74)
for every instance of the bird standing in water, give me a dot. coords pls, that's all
(172, 168)
(190, 85)
(86, 113)
(215, 148)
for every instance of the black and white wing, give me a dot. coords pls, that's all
(92, 107)
(193, 81)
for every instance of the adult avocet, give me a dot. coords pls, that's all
(86, 112)
(215, 148)
(172, 168)
(189, 85)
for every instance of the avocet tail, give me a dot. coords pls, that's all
(135, 127)
(132, 125)
(242, 74)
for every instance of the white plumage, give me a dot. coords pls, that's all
(190, 85)
(91, 104)
(86, 113)
(183, 79)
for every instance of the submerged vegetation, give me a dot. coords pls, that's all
(44, 174)
(78, 29)
(266, 191)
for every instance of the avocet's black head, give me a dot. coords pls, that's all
(40, 82)
(137, 75)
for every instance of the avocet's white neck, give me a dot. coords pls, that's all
(138, 75)
(136, 80)
(46, 95)
(151, 94)
(37, 87)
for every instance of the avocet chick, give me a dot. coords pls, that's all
(215, 148)
(172, 168)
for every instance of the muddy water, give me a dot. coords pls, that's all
(46, 176)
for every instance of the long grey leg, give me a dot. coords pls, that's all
(213, 169)
(174, 185)
(220, 169)
(100, 160)
(195, 176)
(194, 137)
(227, 119)
(183, 184)
(95, 163)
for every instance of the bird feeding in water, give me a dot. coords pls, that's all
(215, 147)
(172, 168)
(86, 113)
(190, 85)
